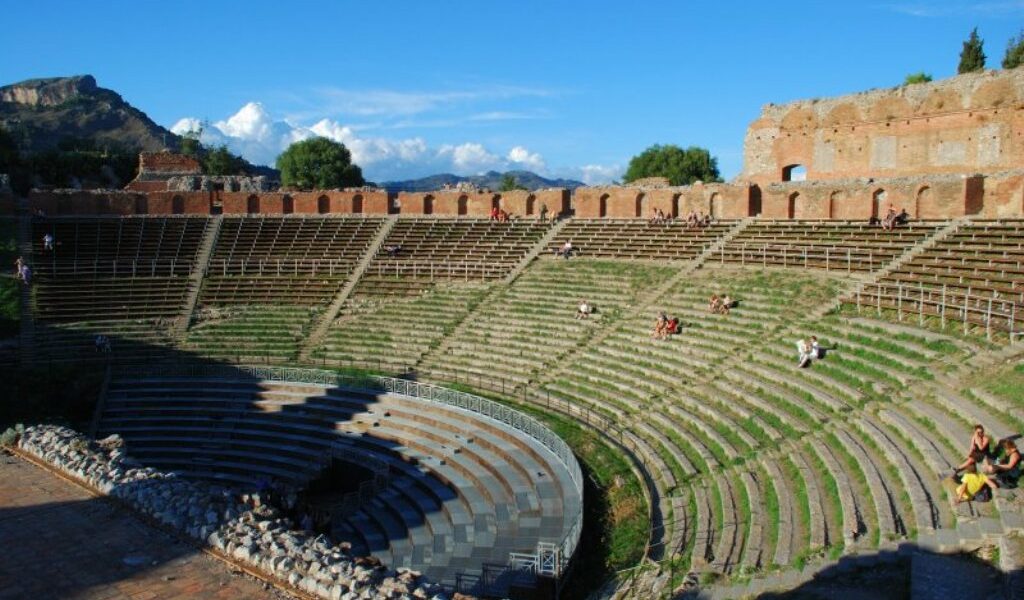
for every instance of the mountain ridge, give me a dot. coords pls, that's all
(491, 180)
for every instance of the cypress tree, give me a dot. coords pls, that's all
(1014, 52)
(972, 57)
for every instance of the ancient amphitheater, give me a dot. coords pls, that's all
(253, 345)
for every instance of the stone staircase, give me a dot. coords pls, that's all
(195, 283)
(323, 323)
(537, 249)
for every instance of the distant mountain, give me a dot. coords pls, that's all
(74, 112)
(490, 179)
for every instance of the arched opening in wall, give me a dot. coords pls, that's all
(323, 205)
(878, 207)
(287, 205)
(357, 204)
(675, 206)
(754, 207)
(602, 206)
(496, 203)
(177, 205)
(640, 205)
(141, 206)
(715, 206)
(428, 205)
(252, 204)
(794, 172)
(794, 200)
(926, 208)
(531, 201)
(463, 205)
(836, 200)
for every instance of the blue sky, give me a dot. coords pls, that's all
(419, 87)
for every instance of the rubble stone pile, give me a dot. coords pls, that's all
(238, 524)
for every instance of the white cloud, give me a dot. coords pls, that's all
(593, 174)
(524, 159)
(254, 134)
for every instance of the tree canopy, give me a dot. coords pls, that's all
(509, 183)
(681, 167)
(1014, 56)
(972, 57)
(318, 163)
(919, 77)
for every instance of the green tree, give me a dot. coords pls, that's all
(509, 183)
(220, 161)
(318, 163)
(1014, 52)
(681, 167)
(919, 77)
(972, 57)
(190, 145)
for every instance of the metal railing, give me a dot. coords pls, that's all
(991, 312)
(433, 270)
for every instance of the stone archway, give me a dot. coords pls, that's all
(640, 205)
(252, 204)
(428, 205)
(357, 204)
(716, 206)
(794, 205)
(287, 205)
(878, 208)
(836, 200)
(794, 172)
(531, 201)
(463, 205)
(323, 205)
(177, 205)
(602, 206)
(925, 205)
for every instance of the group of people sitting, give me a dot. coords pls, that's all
(1000, 467)
(808, 349)
(665, 326)
(101, 343)
(499, 215)
(393, 250)
(892, 219)
(720, 306)
(696, 221)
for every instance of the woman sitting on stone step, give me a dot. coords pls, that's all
(1008, 468)
(659, 326)
(975, 486)
(978, 451)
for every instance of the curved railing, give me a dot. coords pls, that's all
(424, 391)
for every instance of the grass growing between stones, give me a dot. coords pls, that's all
(771, 509)
(616, 523)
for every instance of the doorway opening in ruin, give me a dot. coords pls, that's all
(878, 207)
(323, 205)
(835, 202)
(640, 205)
(715, 206)
(793, 199)
(216, 207)
(357, 204)
(177, 205)
(675, 206)
(287, 205)
(530, 201)
(394, 206)
(141, 206)
(463, 205)
(754, 207)
(795, 172)
(252, 204)
(496, 203)
(602, 206)
(428, 205)
(925, 204)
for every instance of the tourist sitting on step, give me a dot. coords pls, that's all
(816, 350)
(565, 251)
(890, 219)
(726, 304)
(543, 215)
(393, 250)
(803, 348)
(902, 218)
(1008, 468)
(692, 220)
(494, 213)
(671, 327)
(714, 304)
(48, 241)
(584, 310)
(975, 486)
(659, 326)
(978, 451)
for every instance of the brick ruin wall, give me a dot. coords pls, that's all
(967, 124)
